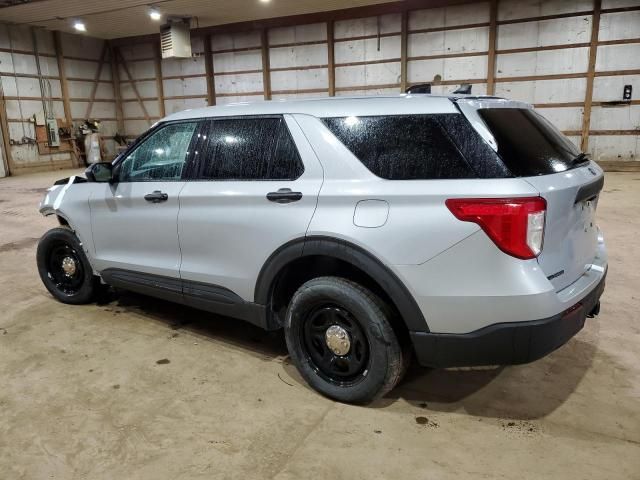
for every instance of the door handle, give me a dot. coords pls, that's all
(284, 195)
(156, 197)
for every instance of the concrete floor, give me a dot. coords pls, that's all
(141, 389)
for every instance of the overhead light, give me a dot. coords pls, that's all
(155, 14)
(351, 121)
(265, 1)
(79, 26)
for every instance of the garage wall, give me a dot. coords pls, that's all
(571, 59)
(74, 58)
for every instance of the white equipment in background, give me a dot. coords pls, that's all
(175, 39)
(92, 147)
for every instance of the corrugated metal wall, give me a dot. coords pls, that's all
(570, 59)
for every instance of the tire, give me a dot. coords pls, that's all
(77, 285)
(374, 360)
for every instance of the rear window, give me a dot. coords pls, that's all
(418, 147)
(402, 147)
(529, 144)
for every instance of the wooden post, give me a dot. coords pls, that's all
(208, 67)
(331, 64)
(491, 57)
(7, 160)
(404, 40)
(588, 96)
(133, 85)
(115, 77)
(64, 86)
(159, 85)
(94, 89)
(266, 69)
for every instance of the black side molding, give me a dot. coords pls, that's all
(589, 191)
(203, 296)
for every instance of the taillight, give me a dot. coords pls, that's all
(516, 225)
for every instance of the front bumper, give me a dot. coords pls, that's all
(506, 343)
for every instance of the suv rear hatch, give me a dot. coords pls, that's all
(532, 148)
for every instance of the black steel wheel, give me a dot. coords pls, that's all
(64, 268)
(340, 339)
(336, 344)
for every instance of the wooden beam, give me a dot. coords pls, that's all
(292, 69)
(301, 90)
(133, 84)
(370, 62)
(619, 166)
(367, 37)
(541, 18)
(266, 74)
(491, 57)
(588, 96)
(94, 90)
(64, 86)
(404, 41)
(7, 160)
(115, 77)
(157, 63)
(208, 68)
(331, 59)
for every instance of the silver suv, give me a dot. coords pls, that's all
(461, 229)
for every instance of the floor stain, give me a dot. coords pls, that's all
(35, 190)
(163, 361)
(18, 245)
(12, 213)
(426, 422)
(522, 426)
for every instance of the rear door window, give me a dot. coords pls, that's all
(402, 147)
(249, 149)
(529, 144)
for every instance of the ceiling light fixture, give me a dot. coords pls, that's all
(265, 1)
(79, 26)
(155, 14)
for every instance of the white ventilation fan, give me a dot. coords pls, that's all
(175, 39)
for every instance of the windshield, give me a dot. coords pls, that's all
(528, 143)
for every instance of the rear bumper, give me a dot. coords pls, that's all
(506, 343)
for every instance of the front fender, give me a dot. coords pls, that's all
(68, 199)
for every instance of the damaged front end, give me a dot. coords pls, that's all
(54, 198)
(68, 200)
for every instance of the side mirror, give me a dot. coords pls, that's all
(100, 172)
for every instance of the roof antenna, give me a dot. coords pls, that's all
(464, 89)
(420, 88)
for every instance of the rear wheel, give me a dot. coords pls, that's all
(64, 268)
(340, 338)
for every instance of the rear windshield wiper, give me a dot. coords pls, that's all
(580, 158)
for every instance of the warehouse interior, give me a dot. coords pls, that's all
(139, 388)
(573, 59)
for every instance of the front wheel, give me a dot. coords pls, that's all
(341, 341)
(64, 268)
